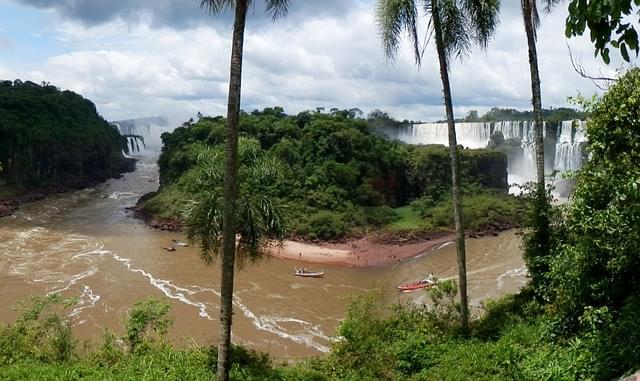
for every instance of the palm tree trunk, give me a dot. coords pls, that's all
(455, 167)
(535, 91)
(538, 262)
(230, 193)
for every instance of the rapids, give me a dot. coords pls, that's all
(86, 244)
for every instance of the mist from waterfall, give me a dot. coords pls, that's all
(567, 153)
(143, 134)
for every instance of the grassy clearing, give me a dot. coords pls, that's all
(408, 218)
(482, 210)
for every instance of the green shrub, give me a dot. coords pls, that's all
(327, 225)
(39, 333)
(147, 323)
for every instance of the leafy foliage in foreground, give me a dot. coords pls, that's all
(337, 179)
(513, 339)
(610, 24)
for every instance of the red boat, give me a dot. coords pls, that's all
(424, 283)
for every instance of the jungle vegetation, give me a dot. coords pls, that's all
(586, 325)
(54, 138)
(338, 178)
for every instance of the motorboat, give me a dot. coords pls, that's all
(417, 285)
(308, 273)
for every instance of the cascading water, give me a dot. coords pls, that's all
(471, 135)
(148, 130)
(569, 146)
(143, 134)
(568, 150)
(134, 144)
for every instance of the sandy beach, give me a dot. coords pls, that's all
(363, 252)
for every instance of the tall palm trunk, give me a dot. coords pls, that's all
(455, 166)
(538, 264)
(230, 192)
(527, 12)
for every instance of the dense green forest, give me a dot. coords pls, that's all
(54, 139)
(337, 177)
(550, 115)
(581, 321)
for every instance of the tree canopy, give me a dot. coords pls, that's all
(338, 176)
(54, 137)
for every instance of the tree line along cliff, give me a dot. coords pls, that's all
(54, 139)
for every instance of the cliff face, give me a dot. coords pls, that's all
(430, 169)
(55, 140)
(487, 167)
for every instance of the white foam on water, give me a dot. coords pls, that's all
(169, 289)
(24, 236)
(272, 324)
(445, 245)
(303, 332)
(513, 273)
(74, 279)
(265, 323)
(146, 165)
(122, 195)
(88, 299)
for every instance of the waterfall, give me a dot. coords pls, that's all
(471, 135)
(147, 129)
(143, 136)
(571, 139)
(134, 143)
(568, 153)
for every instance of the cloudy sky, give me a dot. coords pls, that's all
(136, 58)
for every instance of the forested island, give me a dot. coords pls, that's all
(53, 140)
(335, 177)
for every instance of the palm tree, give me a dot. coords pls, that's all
(456, 25)
(257, 218)
(541, 231)
(277, 8)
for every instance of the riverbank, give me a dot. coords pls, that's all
(373, 249)
(11, 197)
(361, 252)
(377, 249)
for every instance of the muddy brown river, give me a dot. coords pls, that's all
(86, 244)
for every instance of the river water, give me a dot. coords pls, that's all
(86, 244)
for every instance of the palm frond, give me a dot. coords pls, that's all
(216, 6)
(266, 169)
(550, 4)
(260, 225)
(248, 149)
(393, 18)
(277, 8)
(203, 222)
(483, 16)
(456, 29)
(209, 169)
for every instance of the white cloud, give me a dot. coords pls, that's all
(139, 69)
